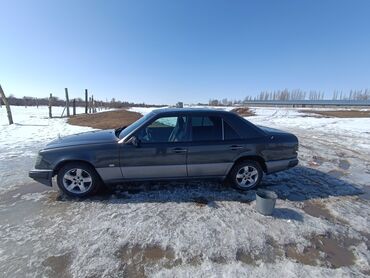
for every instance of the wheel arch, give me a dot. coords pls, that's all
(256, 158)
(62, 163)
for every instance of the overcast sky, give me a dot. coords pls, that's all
(166, 51)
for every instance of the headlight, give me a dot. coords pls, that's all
(38, 159)
(41, 163)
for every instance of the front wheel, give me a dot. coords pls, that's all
(78, 179)
(246, 175)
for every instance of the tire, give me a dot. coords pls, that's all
(246, 175)
(77, 179)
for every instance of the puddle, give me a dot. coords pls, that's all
(309, 256)
(317, 209)
(219, 260)
(336, 173)
(325, 251)
(344, 164)
(136, 258)
(245, 257)
(58, 266)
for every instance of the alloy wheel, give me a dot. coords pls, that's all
(247, 176)
(77, 181)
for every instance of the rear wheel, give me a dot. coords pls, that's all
(246, 175)
(78, 179)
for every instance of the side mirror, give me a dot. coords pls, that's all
(135, 141)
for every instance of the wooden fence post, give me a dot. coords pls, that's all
(74, 107)
(67, 101)
(86, 101)
(6, 103)
(50, 105)
(90, 105)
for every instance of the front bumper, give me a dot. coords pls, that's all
(41, 175)
(280, 165)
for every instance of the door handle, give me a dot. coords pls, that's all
(236, 147)
(179, 150)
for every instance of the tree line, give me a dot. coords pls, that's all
(33, 101)
(288, 95)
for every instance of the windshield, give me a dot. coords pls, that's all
(134, 125)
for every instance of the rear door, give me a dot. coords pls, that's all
(213, 147)
(162, 150)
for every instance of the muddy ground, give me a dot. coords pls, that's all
(106, 120)
(338, 113)
(243, 111)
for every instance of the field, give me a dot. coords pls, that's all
(191, 229)
(107, 120)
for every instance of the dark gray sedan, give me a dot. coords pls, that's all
(167, 144)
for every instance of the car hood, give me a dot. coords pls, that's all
(91, 137)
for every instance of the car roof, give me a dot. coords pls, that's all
(188, 110)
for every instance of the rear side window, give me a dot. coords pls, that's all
(206, 128)
(229, 132)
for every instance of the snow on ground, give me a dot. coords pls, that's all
(32, 126)
(31, 130)
(143, 110)
(192, 229)
(291, 118)
(339, 146)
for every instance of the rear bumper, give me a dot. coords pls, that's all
(42, 176)
(280, 165)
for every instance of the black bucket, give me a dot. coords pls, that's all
(265, 201)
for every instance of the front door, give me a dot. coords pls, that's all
(161, 152)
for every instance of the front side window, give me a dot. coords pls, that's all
(165, 129)
(206, 128)
(126, 131)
